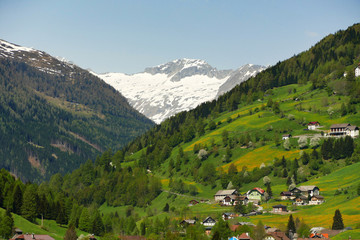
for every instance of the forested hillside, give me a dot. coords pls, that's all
(55, 116)
(322, 66)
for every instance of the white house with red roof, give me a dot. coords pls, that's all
(255, 194)
(313, 125)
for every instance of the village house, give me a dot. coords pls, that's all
(228, 200)
(344, 129)
(316, 200)
(277, 235)
(221, 194)
(255, 195)
(286, 195)
(227, 216)
(279, 208)
(209, 222)
(286, 136)
(301, 200)
(187, 222)
(306, 190)
(313, 125)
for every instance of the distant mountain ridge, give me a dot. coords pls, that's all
(55, 115)
(180, 85)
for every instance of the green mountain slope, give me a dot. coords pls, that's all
(55, 116)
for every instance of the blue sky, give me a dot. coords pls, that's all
(128, 36)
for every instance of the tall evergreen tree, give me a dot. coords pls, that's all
(337, 221)
(259, 231)
(84, 221)
(97, 224)
(6, 225)
(70, 233)
(17, 199)
(290, 226)
(29, 205)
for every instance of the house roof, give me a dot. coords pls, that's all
(244, 236)
(278, 235)
(261, 191)
(318, 197)
(313, 123)
(34, 236)
(340, 125)
(307, 188)
(209, 219)
(286, 193)
(225, 192)
(189, 221)
(353, 128)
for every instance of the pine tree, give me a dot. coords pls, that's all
(259, 231)
(6, 225)
(70, 233)
(29, 205)
(268, 190)
(97, 224)
(17, 199)
(84, 221)
(290, 226)
(338, 221)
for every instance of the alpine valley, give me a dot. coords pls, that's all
(276, 157)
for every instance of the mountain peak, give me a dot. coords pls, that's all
(185, 67)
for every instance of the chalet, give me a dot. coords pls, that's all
(227, 216)
(286, 136)
(313, 125)
(32, 237)
(344, 129)
(316, 200)
(286, 195)
(276, 236)
(255, 194)
(193, 202)
(209, 222)
(219, 196)
(187, 222)
(229, 200)
(306, 190)
(244, 199)
(279, 208)
(301, 200)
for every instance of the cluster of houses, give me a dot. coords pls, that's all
(232, 197)
(271, 233)
(303, 195)
(341, 129)
(336, 130)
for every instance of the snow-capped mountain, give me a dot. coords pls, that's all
(39, 59)
(162, 91)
